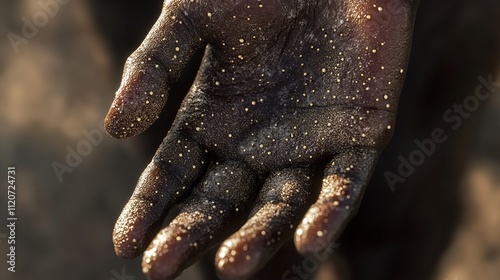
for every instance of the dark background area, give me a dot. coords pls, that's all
(442, 222)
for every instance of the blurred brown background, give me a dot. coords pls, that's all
(442, 223)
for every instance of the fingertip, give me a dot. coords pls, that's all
(113, 122)
(306, 236)
(166, 254)
(132, 113)
(133, 230)
(247, 250)
(123, 247)
(139, 100)
(319, 228)
(157, 191)
(237, 260)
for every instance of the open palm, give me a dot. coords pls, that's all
(288, 92)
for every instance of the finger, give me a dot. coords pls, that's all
(150, 71)
(166, 182)
(343, 185)
(281, 202)
(216, 209)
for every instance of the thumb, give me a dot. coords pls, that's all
(151, 69)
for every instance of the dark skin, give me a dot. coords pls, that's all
(288, 91)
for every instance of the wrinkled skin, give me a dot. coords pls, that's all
(288, 92)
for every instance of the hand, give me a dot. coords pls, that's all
(288, 91)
